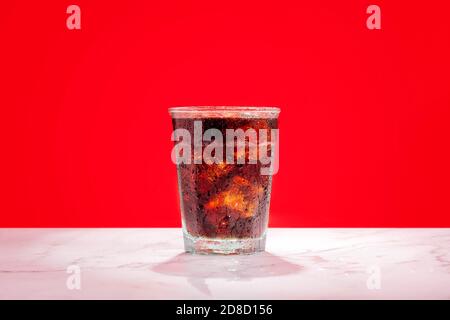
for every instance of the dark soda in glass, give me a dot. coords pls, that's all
(225, 205)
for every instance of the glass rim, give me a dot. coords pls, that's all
(224, 112)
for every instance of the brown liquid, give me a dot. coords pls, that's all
(224, 200)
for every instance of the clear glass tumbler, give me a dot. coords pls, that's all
(225, 158)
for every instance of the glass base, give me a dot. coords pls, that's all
(202, 245)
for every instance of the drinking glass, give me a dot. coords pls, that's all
(224, 188)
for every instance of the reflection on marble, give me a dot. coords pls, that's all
(298, 264)
(197, 268)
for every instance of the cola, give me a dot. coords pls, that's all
(225, 204)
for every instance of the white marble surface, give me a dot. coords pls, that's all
(298, 264)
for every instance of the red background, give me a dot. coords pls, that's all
(364, 127)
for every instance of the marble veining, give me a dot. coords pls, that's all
(298, 264)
